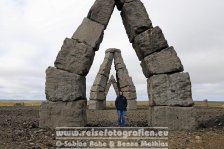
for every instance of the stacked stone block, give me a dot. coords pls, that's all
(101, 11)
(65, 86)
(169, 89)
(125, 83)
(97, 92)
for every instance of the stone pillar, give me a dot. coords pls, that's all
(169, 89)
(97, 92)
(125, 83)
(65, 86)
(66, 83)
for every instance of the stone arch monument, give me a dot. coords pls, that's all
(101, 85)
(169, 88)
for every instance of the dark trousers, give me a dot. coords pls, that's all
(121, 119)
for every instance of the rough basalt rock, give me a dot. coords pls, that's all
(101, 11)
(100, 80)
(118, 61)
(97, 88)
(175, 118)
(113, 50)
(90, 33)
(165, 61)
(120, 3)
(170, 90)
(148, 42)
(123, 78)
(130, 88)
(106, 65)
(63, 114)
(97, 104)
(130, 95)
(135, 19)
(97, 96)
(64, 86)
(109, 55)
(75, 57)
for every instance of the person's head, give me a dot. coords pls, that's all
(120, 93)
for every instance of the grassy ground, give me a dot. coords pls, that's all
(209, 103)
(110, 104)
(20, 102)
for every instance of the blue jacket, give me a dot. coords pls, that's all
(121, 103)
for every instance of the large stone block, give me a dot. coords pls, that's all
(130, 87)
(97, 88)
(148, 42)
(113, 50)
(120, 3)
(101, 11)
(75, 57)
(97, 96)
(125, 82)
(106, 65)
(175, 118)
(64, 86)
(118, 61)
(130, 95)
(109, 55)
(165, 61)
(90, 32)
(172, 90)
(63, 114)
(123, 78)
(132, 104)
(100, 80)
(135, 18)
(119, 66)
(97, 104)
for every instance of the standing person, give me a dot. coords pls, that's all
(121, 106)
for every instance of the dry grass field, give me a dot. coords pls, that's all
(20, 102)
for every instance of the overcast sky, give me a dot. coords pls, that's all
(32, 33)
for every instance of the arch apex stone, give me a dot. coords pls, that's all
(112, 50)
